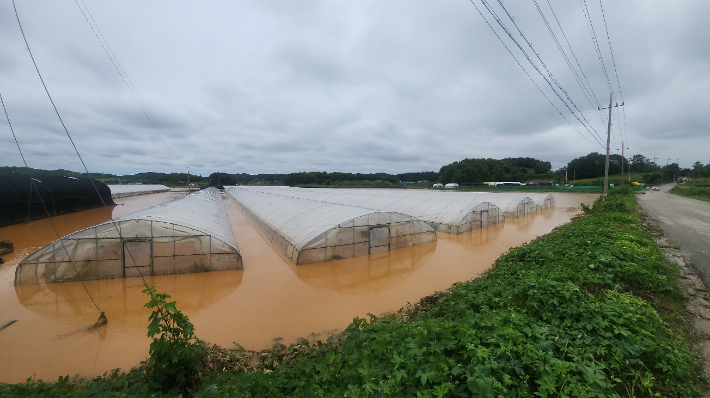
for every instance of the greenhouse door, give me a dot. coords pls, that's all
(137, 257)
(379, 239)
(484, 218)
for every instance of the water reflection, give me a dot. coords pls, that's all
(364, 274)
(123, 298)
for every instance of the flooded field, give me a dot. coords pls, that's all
(270, 301)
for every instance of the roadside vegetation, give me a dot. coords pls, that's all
(613, 179)
(591, 309)
(696, 188)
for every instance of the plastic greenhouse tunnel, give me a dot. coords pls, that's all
(308, 231)
(190, 234)
(444, 213)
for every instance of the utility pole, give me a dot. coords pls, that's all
(188, 180)
(608, 136)
(622, 163)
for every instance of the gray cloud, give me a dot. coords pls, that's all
(275, 86)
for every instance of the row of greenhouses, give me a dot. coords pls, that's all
(193, 234)
(122, 191)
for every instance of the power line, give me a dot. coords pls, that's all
(93, 183)
(510, 35)
(121, 72)
(613, 62)
(578, 79)
(544, 65)
(590, 26)
(528, 75)
(54, 227)
(596, 101)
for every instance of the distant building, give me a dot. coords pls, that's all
(437, 185)
(451, 185)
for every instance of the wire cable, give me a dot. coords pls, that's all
(70, 138)
(549, 73)
(54, 227)
(528, 75)
(613, 62)
(589, 85)
(590, 26)
(121, 72)
(578, 79)
(507, 31)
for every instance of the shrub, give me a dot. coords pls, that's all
(175, 353)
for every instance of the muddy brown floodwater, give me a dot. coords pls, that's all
(271, 300)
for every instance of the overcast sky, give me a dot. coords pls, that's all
(363, 86)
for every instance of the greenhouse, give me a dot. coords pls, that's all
(542, 200)
(444, 213)
(122, 191)
(23, 199)
(309, 231)
(191, 234)
(511, 204)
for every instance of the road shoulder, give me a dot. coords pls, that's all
(698, 303)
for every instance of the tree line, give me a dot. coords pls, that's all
(463, 172)
(476, 171)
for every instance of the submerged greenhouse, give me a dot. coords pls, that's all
(122, 191)
(510, 204)
(445, 213)
(309, 231)
(191, 234)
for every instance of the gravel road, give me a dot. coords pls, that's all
(686, 222)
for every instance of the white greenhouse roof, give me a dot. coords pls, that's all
(190, 234)
(308, 230)
(450, 214)
(511, 204)
(202, 211)
(120, 191)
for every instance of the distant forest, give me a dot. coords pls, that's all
(476, 171)
(463, 172)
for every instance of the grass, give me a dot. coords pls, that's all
(613, 179)
(591, 309)
(696, 188)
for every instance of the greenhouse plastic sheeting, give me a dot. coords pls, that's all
(191, 234)
(23, 199)
(511, 204)
(542, 200)
(309, 231)
(449, 214)
(122, 191)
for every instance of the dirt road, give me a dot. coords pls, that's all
(686, 222)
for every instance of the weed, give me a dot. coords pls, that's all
(175, 353)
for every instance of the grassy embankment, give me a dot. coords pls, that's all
(696, 188)
(590, 309)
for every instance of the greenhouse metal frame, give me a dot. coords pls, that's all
(308, 231)
(191, 234)
(444, 213)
